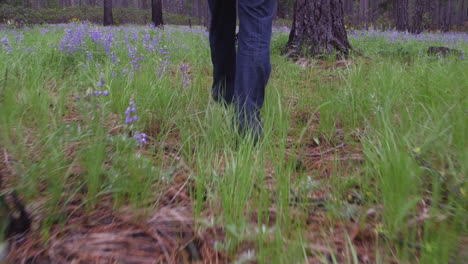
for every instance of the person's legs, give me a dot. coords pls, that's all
(253, 61)
(223, 48)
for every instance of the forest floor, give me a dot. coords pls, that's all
(112, 141)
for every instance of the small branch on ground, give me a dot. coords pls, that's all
(326, 151)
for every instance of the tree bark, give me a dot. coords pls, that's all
(199, 8)
(318, 28)
(108, 18)
(463, 13)
(348, 7)
(401, 10)
(156, 13)
(450, 15)
(418, 17)
(144, 4)
(434, 13)
(363, 11)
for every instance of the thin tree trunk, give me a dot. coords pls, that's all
(348, 7)
(434, 13)
(318, 28)
(108, 18)
(156, 13)
(199, 12)
(450, 14)
(463, 12)
(363, 11)
(207, 16)
(401, 9)
(418, 17)
(144, 4)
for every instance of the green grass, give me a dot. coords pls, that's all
(393, 108)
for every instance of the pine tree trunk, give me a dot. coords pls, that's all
(108, 19)
(450, 14)
(401, 9)
(199, 7)
(434, 13)
(463, 13)
(348, 7)
(144, 4)
(418, 17)
(318, 28)
(156, 13)
(363, 11)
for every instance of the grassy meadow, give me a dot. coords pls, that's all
(110, 134)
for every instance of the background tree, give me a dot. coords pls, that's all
(401, 15)
(108, 18)
(318, 28)
(156, 13)
(418, 16)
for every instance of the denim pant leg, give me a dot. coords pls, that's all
(253, 61)
(223, 48)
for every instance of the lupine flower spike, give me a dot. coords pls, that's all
(130, 113)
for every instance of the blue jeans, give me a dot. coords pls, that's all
(241, 78)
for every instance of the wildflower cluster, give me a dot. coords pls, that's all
(104, 93)
(135, 35)
(6, 44)
(74, 39)
(165, 61)
(130, 118)
(101, 85)
(451, 39)
(19, 37)
(185, 76)
(130, 113)
(146, 41)
(74, 20)
(107, 42)
(151, 44)
(96, 35)
(141, 138)
(135, 58)
(43, 31)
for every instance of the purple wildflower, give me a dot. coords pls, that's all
(99, 93)
(146, 41)
(130, 113)
(141, 138)
(135, 59)
(74, 39)
(90, 55)
(108, 40)
(6, 44)
(164, 62)
(185, 76)
(114, 58)
(124, 71)
(19, 38)
(96, 36)
(101, 82)
(126, 40)
(163, 51)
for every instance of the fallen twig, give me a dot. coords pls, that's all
(326, 151)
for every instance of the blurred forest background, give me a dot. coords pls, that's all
(442, 15)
